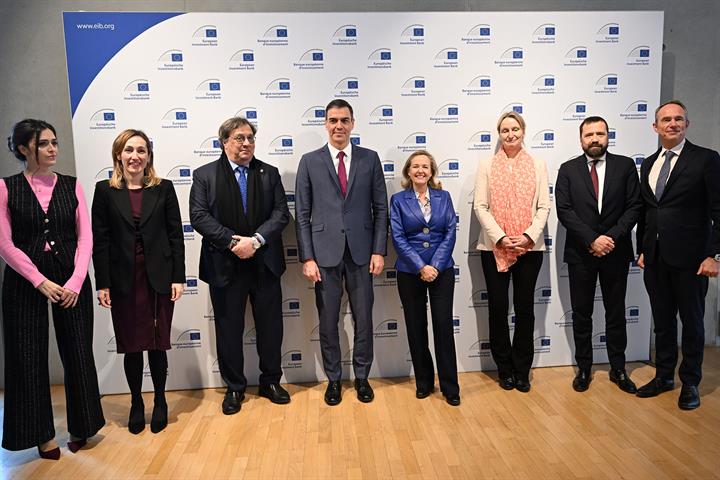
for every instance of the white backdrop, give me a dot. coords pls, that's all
(437, 81)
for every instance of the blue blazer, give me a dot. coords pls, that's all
(417, 242)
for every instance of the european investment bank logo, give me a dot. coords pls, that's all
(576, 57)
(447, 58)
(413, 87)
(381, 115)
(175, 118)
(277, 88)
(447, 114)
(543, 140)
(511, 57)
(575, 111)
(208, 148)
(543, 85)
(138, 89)
(275, 36)
(639, 56)
(478, 35)
(242, 60)
(608, 33)
(348, 87)
(607, 83)
(637, 110)
(103, 119)
(209, 89)
(414, 141)
(171, 60)
(205, 36)
(480, 85)
(281, 145)
(313, 59)
(413, 35)
(313, 116)
(346, 35)
(250, 114)
(380, 59)
(544, 34)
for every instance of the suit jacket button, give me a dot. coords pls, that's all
(47, 220)
(342, 231)
(52, 242)
(426, 230)
(426, 244)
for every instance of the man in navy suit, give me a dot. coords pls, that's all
(341, 216)
(678, 242)
(238, 205)
(598, 202)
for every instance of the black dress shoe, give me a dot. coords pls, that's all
(159, 419)
(507, 383)
(424, 392)
(53, 454)
(622, 380)
(75, 445)
(453, 399)
(332, 394)
(522, 385)
(232, 402)
(582, 380)
(655, 387)
(136, 421)
(275, 393)
(364, 391)
(689, 397)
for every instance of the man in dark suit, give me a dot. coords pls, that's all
(598, 202)
(341, 218)
(679, 248)
(238, 205)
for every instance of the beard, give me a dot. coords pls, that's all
(595, 150)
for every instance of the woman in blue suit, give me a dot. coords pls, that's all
(423, 220)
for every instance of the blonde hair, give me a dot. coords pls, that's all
(117, 180)
(515, 116)
(433, 182)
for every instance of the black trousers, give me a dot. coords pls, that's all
(414, 295)
(613, 274)
(28, 418)
(328, 295)
(229, 305)
(512, 358)
(672, 291)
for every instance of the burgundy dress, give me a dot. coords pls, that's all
(141, 319)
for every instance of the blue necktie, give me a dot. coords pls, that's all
(242, 183)
(664, 174)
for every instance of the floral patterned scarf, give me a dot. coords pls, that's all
(512, 190)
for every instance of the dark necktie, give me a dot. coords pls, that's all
(242, 183)
(664, 174)
(594, 177)
(342, 174)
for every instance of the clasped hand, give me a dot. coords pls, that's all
(244, 248)
(57, 294)
(518, 244)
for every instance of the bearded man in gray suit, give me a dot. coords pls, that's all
(341, 216)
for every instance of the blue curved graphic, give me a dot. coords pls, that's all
(93, 38)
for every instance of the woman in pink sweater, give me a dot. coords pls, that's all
(46, 241)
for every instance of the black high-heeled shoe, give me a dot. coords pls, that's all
(159, 417)
(136, 421)
(53, 454)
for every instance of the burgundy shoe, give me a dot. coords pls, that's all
(53, 454)
(75, 445)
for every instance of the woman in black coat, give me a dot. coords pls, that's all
(139, 259)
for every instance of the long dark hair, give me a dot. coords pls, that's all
(22, 134)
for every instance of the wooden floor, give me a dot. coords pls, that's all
(552, 432)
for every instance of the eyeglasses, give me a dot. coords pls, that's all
(241, 139)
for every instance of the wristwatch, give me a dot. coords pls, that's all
(233, 242)
(256, 243)
(717, 258)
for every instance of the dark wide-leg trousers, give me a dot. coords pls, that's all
(28, 418)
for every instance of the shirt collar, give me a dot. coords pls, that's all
(590, 159)
(676, 149)
(334, 151)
